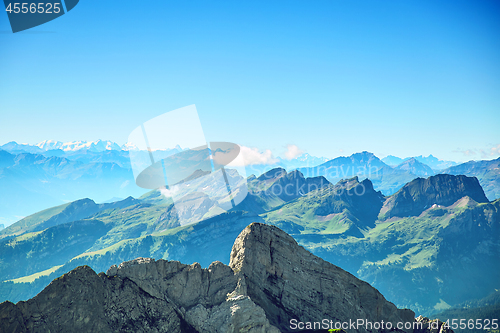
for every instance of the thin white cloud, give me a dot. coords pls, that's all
(252, 156)
(493, 152)
(292, 151)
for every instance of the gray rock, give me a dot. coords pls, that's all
(289, 282)
(420, 194)
(427, 325)
(270, 280)
(82, 301)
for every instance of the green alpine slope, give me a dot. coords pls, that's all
(433, 244)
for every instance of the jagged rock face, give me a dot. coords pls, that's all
(360, 198)
(294, 185)
(269, 281)
(287, 186)
(420, 194)
(142, 295)
(82, 301)
(289, 282)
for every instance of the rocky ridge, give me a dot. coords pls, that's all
(270, 280)
(421, 193)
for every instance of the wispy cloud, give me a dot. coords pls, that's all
(292, 151)
(493, 152)
(170, 192)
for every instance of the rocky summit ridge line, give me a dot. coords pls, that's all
(270, 280)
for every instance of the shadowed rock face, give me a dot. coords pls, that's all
(420, 194)
(270, 280)
(294, 185)
(289, 282)
(82, 301)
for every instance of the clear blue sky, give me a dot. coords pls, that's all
(333, 77)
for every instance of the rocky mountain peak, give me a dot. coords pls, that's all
(272, 174)
(365, 157)
(421, 193)
(294, 185)
(415, 167)
(360, 198)
(270, 283)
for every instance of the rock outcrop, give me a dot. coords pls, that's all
(270, 281)
(360, 198)
(289, 282)
(294, 185)
(420, 194)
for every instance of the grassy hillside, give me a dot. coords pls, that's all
(431, 261)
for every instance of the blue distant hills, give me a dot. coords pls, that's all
(34, 177)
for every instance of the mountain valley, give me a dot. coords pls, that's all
(438, 235)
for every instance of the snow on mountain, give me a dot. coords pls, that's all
(49, 145)
(74, 146)
(129, 147)
(96, 146)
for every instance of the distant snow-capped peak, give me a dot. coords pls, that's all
(307, 157)
(96, 146)
(129, 146)
(49, 144)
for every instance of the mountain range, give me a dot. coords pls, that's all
(431, 161)
(389, 179)
(33, 177)
(271, 285)
(439, 235)
(32, 182)
(93, 146)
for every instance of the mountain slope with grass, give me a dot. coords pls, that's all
(438, 235)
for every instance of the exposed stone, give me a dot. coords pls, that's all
(420, 194)
(430, 326)
(270, 280)
(289, 282)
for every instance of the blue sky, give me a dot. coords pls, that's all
(333, 77)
